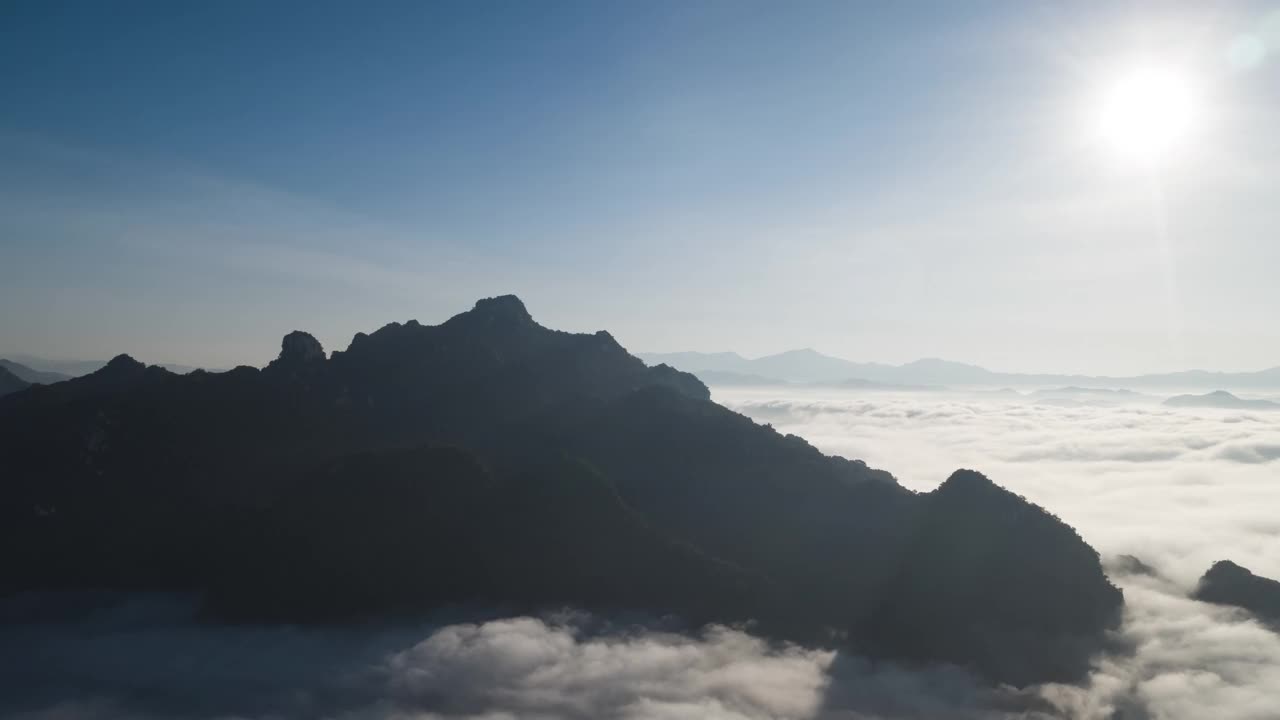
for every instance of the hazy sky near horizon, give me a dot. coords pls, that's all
(188, 182)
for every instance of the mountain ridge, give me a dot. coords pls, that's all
(497, 449)
(1220, 399)
(55, 370)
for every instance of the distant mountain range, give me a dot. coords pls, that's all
(810, 366)
(31, 375)
(1220, 399)
(58, 370)
(489, 461)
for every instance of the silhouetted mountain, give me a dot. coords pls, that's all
(813, 367)
(432, 527)
(32, 376)
(1226, 583)
(1220, 399)
(973, 581)
(491, 460)
(10, 383)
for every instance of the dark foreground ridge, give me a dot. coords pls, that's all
(491, 461)
(1226, 583)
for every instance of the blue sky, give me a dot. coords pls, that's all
(187, 182)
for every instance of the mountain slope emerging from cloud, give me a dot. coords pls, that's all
(1226, 583)
(490, 460)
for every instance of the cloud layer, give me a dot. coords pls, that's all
(142, 657)
(1177, 488)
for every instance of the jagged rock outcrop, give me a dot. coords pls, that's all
(489, 459)
(1226, 583)
(299, 348)
(121, 371)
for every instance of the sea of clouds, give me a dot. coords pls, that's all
(1178, 488)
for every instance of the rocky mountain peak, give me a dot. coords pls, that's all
(123, 363)
(503, 307)
(300, 347)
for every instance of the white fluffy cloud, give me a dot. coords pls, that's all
(527, 667)
(123, 663)
(1178, 488)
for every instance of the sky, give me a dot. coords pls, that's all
(189, 182)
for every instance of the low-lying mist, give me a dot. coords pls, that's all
(140, 656)
(1177, 488)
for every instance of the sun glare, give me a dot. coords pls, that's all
(1147, 115)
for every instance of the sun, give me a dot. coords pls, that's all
(1147, 115)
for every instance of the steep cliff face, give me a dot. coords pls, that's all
(561, 468)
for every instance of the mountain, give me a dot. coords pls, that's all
(491, 461)
(967, 585)
(32, 376)
(1226, 583)
(9, 382)
(810, 366)
(59, 370)
(1220, 399)
(805, 365)
(933, 371)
